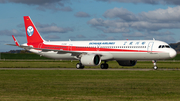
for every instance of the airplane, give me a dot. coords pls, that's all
(92, 53)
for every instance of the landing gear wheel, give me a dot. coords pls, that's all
(104, 66)
(79, 66)
(154, 63)
(155, 67)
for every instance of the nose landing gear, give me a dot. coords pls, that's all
(154, 63)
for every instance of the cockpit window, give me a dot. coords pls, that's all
(164, 46)
(167, 46)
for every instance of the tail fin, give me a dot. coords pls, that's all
(32, 33)
(16, 42)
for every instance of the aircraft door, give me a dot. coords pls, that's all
(150, 46)
(40, 45)
(70, 47)
(98, 47)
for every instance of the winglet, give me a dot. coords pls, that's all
(16, 42)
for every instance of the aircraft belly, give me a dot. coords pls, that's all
(54, 55)
(140, 56)
(107, 56)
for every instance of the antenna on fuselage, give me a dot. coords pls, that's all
(153, 39)
(69, 39)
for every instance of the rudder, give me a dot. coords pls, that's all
(32, 33)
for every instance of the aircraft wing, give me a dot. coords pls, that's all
(74, 53)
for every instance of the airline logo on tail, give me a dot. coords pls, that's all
(32, 33)
(30, 30)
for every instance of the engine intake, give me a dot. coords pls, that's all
(90, 60)
(127, 62)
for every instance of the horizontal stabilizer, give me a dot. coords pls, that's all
(11, 44)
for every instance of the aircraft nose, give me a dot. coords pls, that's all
(172, 53)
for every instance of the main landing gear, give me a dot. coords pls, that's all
(154, 63)
(104, 65)
(79, 66)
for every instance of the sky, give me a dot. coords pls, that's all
(78, 20)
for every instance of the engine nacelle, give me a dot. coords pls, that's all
(90, 60)
(127, 62)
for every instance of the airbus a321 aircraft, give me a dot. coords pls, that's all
(92, 53)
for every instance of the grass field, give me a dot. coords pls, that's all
(72, 64)
(21, 56)
(88, 85)
(80, 85)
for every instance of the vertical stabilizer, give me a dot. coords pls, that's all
(32, 33)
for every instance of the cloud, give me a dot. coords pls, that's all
(52, 28)
(108, 26)
(174, 2)
(121, 13)
(52, 37)
(134, 1)
(80, 36)
(151, 26)
(20, 25)
(11, 32)
(102, 35)
(52, 7)
(162, 15)
(147, 34)
(163, 36)
(136, 34)
(114, 30)
(57, 5)
(81, 14)
(168, 38)
(161, 33)
(146, 21)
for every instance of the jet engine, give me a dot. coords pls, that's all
(90, 60)
(127, 62)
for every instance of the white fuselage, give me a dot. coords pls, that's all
(109, 50)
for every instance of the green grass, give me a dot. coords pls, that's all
(69, 64)
(21, 56)
(80, 85)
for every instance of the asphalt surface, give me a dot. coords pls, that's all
(132, 69)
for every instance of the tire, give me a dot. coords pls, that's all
(104, 66)
(79, 66)
(107, 66)
(155, 67)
